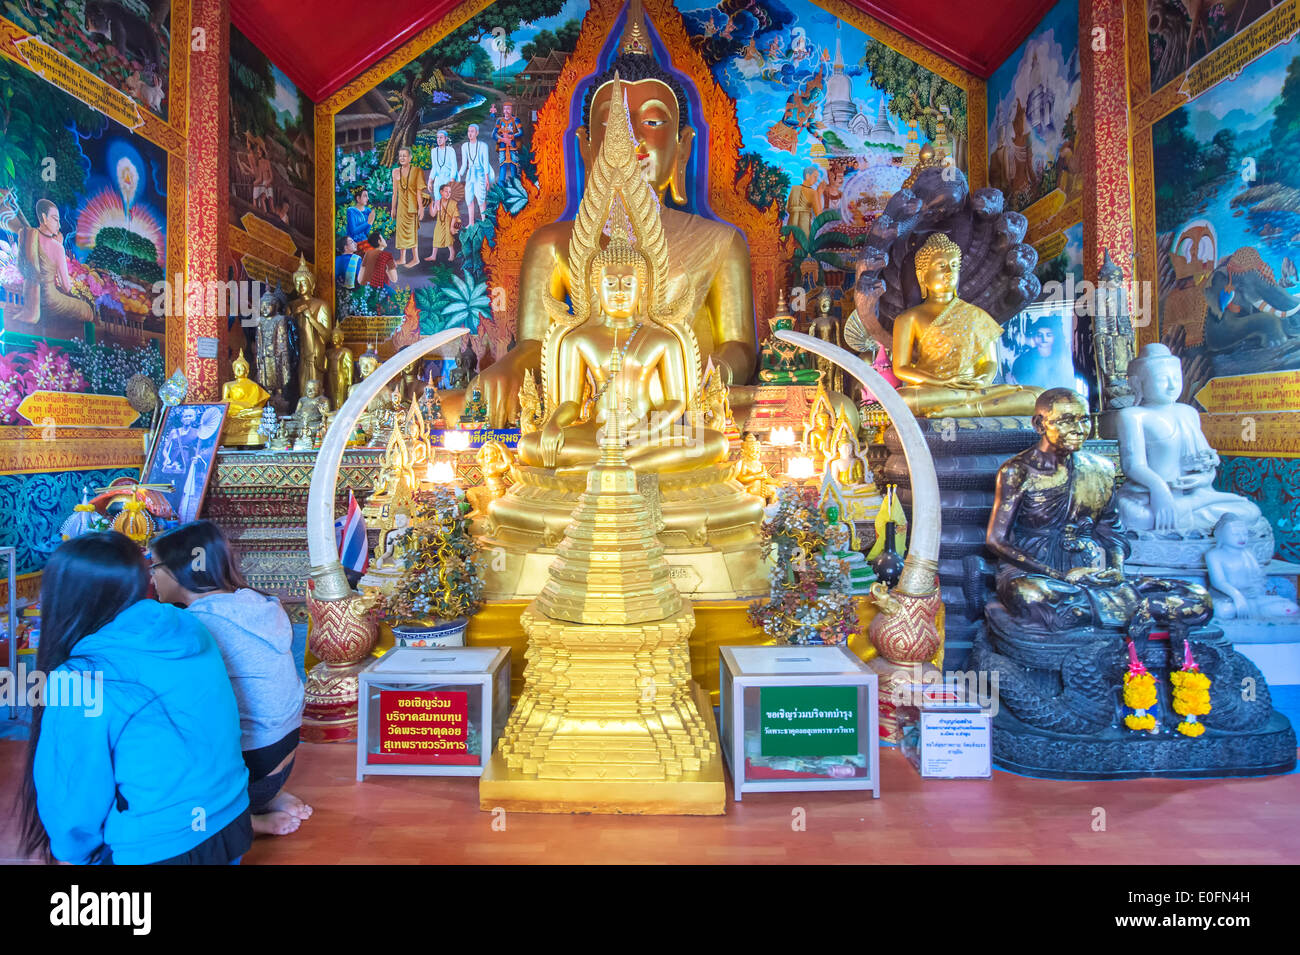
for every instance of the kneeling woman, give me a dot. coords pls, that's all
(134, 753)
(195, 568)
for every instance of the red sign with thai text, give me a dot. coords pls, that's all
(424, 727)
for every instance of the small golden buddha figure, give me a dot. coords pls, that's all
(817, 436)
(339, 370)
(846, 479)
(496, 461)
(945, 349)
(246, 399)
(311, 415)
(716, 406)
(784, 363)
(388, 417)
(315, 326)
(752, 473)
(418, 442)
(710, 259)
(397, 481)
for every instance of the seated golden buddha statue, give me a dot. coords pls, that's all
(846, 479)
(945, 349)
(311, 416)
(627, 314)
(752, 473)
(246, 399)
(710, 264)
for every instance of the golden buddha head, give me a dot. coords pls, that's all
(312, 388)
(619, 278)
(749, 448)
(1061, 417)
(938, 266)
(657, 106)
(304, 283)
(368, 362)
(239, 367)
(337, 336)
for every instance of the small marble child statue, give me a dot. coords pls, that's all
(1236, 579)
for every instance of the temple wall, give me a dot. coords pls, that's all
(758, 78)
(1213, 109)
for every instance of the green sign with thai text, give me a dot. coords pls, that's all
(808, 720)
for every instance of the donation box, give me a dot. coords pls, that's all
(798, 718)
(432, 711)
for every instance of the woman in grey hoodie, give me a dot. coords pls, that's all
(194, 567)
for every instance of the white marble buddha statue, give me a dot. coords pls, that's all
(1168, 465)
(1236, 579)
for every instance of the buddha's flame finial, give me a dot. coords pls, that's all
(636, 38)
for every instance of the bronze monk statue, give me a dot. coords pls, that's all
(1056, 531)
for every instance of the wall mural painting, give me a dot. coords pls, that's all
(1033, 115)
(832, 122)
(272, 152)
(1227, 209)
(425, 159)
(126, 43)
(82, 242)
(1184, 31)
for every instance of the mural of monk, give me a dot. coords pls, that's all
(51, 302)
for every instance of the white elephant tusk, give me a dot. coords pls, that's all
(322, 550)
(921, 563)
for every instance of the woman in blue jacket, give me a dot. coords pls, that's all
(134, 754)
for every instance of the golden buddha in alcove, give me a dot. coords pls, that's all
(710, 260)
(945, 349)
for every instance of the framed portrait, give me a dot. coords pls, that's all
(1036, 348)
(184, 454)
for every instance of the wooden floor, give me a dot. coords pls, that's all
(1008, 819)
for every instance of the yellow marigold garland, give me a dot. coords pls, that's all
(1139, 693)
(1191, 694)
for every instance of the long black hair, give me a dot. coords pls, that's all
(88, 581)
(200, 557)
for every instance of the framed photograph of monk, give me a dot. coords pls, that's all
(184, 454)
(1035, 348)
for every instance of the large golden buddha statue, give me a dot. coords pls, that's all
(246, 399)
(710, 260)
(626, 313)
(945, 349)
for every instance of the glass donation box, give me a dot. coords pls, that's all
(434, 711)
(795, 719)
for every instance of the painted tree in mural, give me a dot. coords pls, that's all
(565, 39)
(1284, 138)
(448, 54)
(1190, 172)
(917, 95)
(42, 159)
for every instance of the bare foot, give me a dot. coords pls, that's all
(275, 824)
(288, 802)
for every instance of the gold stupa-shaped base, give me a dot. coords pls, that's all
(693, 792)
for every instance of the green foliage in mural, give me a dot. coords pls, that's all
(564, 39)
(1279, 160)
(769, 183)
(125, 253)
(1188, 173)
(917, 95)
(819, 246)
(41, 159)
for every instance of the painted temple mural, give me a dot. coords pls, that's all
(125, 43)
(429, 158)
(272, 152)
(82, 243)
(1181, 32)
(1227, 193)
(1033, 103)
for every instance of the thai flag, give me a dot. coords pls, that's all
(350, 536)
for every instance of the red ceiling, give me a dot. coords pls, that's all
(321, 44)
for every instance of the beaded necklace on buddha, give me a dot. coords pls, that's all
(622, 354)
